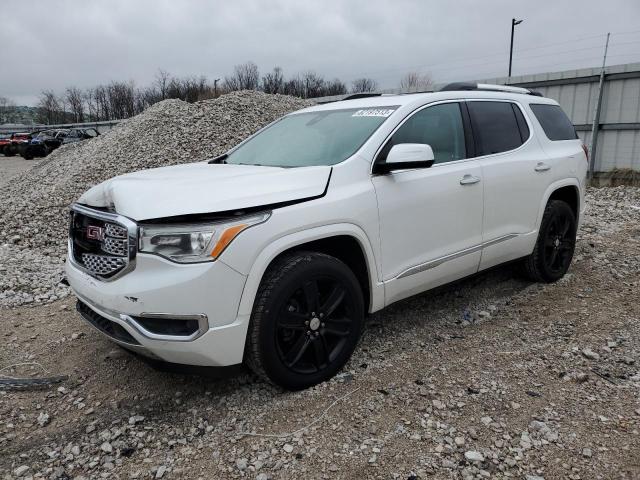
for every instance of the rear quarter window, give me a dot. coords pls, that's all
(495, 127)
(554, 122)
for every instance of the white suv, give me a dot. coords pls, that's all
(273, 253)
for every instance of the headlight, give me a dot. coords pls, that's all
(196, 242)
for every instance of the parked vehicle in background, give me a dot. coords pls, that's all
(15, 142)
(4, 141)
(42, 144)
(78, 134)
(273, 253)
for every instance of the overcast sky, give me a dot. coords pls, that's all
(57, 43)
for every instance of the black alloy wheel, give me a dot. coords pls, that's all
(555, 245)
(313, 324)
(559, 243)
(306, 321)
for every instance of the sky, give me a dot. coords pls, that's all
(54, 44)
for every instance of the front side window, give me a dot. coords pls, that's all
(314, 138)
(439, 126)
(495, 127)
(554, 122)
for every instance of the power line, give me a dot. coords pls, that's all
(492, 55)
(480, 62)
(481, 59)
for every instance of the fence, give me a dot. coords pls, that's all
(100, 126)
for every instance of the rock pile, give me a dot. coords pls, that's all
(33, 211)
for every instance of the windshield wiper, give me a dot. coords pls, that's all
(219, 159)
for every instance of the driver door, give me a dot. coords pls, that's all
(430, 218)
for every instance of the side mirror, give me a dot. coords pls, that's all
(406, 155)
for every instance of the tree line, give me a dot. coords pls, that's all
(118, 100)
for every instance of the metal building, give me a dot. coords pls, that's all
(618, 144)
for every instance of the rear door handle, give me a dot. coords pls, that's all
(469, 180)
(542, 167)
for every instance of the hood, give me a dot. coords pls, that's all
(205, 188)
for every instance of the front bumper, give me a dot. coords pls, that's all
(158, 288)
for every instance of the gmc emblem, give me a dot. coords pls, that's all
(95, 233)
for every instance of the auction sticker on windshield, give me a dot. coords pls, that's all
(374, 112)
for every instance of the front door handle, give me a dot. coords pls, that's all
(469, 180)
(542, 167)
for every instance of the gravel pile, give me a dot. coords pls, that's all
(33, 211)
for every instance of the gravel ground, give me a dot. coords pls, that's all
(34, 207)
(11, 166)
(492, 377)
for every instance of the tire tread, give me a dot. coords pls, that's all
(532, 265)
(275, 273)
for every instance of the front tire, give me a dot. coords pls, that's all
(555, 245)
(306, 321)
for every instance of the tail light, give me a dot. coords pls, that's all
(586, 152)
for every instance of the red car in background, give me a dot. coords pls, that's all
(4, 141)
(17, 139)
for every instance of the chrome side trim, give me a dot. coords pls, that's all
(132, 233)
(452, 256)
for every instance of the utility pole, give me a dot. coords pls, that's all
(215, 88)
(596, 114)
(514, 22)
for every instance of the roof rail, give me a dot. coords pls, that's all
(487, 87)
(355, 96)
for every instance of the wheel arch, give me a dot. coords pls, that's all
(567, 190)
(346, 242)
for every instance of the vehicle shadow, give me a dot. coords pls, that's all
(448, 306)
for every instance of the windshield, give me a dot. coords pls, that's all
(315, 138)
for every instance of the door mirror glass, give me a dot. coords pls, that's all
(407, 155)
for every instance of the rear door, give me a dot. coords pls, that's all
(430, 218)
(516, 174)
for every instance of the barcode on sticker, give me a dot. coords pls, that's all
(373, 112)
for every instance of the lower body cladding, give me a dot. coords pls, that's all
(185, 314)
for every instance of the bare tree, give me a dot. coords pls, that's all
(118, 100)
(273, 82)
(416, 82)
(89, 100)
(162, 82)
(75, 100)
(121, 100)
(363, 85)
(103, 107)
(314, 85)
(294, 86)
(49, 108)
(244, 77)
(335, 87)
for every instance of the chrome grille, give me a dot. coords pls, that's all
(114, 231)
(101, 243)
(115, 246)
(102, 264)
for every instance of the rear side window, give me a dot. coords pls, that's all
(495, 127)
(554, 122)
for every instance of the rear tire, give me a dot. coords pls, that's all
(555, 245)
(306, 321)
